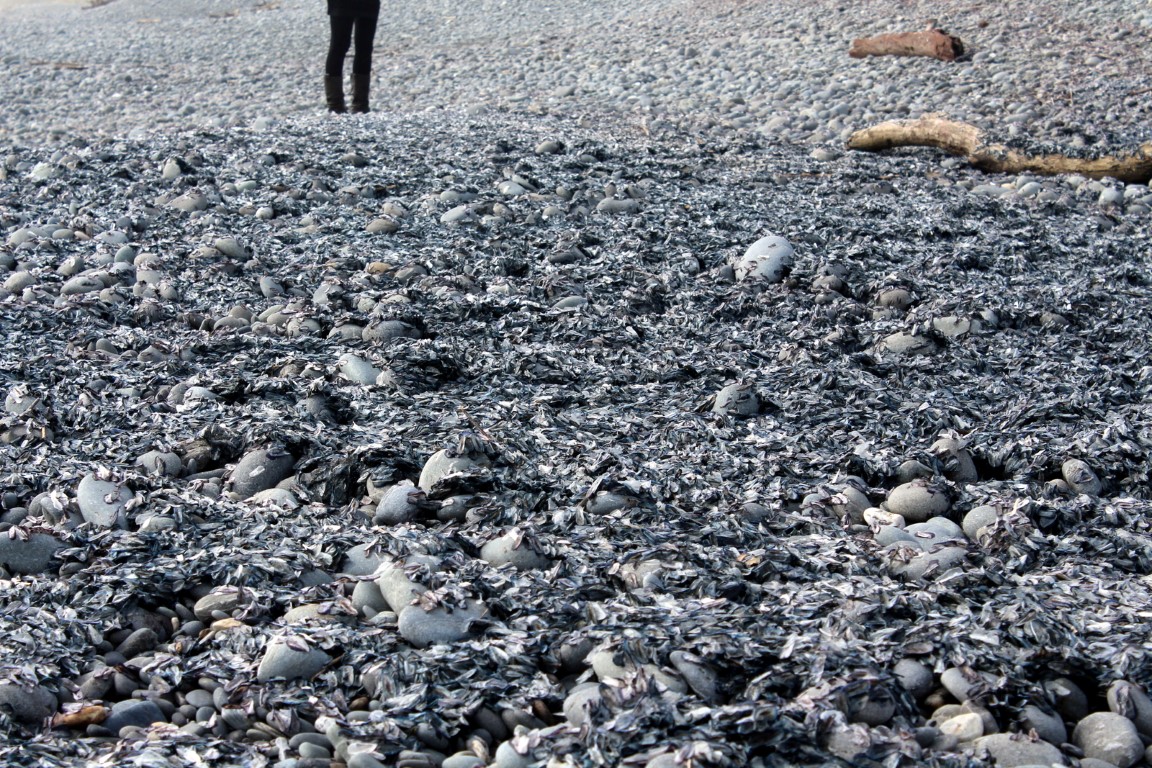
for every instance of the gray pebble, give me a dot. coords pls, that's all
(580, 701)
(978, 518)
(140, 641)
(738, 399)
(1080, 477)
(1109, 736)
(423, 628)
(260, 470)
(163, 463)
(511, 549)
(462, 760)
(1132, 702)
(30, 555)
(1048, 726)
(102, 502)
(507, 756)
(918, 500)
(140, 713)
(1011, 751)
(225, 601)
(400, 504)
(964, 685)
(198, 697)
(915, 677)
(291, 659)
(1067, 697)
(701, 678)
(27, 704)
(769, 258)
(367, 599)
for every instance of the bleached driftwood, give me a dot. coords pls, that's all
(935, 43)
(968, 141)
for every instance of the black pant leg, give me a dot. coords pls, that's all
(365, 35)
(338, 45)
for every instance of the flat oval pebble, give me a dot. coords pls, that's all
(102, 502)
(769, 258)
(28, 704)
(260, 470)
(977, 519)
(510, 549)
(918, 500)
(33, 554)
(1080, 477)
(738, 399)
(400, 504)
(140, 713)
(1011, 751)
(907, 344)
(290, 658)
(422, 628)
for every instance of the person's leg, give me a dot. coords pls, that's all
(362, 62)
(338, 44)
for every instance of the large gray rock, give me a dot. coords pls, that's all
(511, 549)
(769, 258)
(1111, 737)
(290, 658)
(400, 504)
(260, 470)
(917, 501)
(28, 704)
(438, 626)
(1012, 751)
(137, 712)
(102, 502)
(28, 555)
(1130, 700)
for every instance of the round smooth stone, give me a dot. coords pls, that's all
(225, 602)
(140, 713)
(230, 247)
(397, 590)
(1110, 737)
(358, 370)
(701, 678)
(31, 704)
(290, 659)
(260, 470)
(918, 500)
(1130, 700)
(361, 560)
(915, 677)
(906, 344)
(738, 399)
(1080, 477)
(400, 504)
(507, 757)
(1067, 697)
(614, 206)
(438, 626)
(580, 701)
(28, 556)
(163, 463)
(1010, 751)
(387, 331)
(382, 226)
(964, 727)
(366, 595)
(933, 531)
(977, 519)
(1049, 727)
(769, 257)
(440, 465)
(961, 686)
(509, 549)
(102, 502)
(929, 564)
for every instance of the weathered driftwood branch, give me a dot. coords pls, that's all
(935, 43)
(967, 140)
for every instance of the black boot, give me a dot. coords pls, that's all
(360, 86)
(334, 93)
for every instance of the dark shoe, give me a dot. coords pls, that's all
(334, 94)
(360, 86)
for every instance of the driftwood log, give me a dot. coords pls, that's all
(935, 43)
(968, 141)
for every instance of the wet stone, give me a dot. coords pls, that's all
(423, 628)
(1011, 751)
(28, 555)
(102, 502)
(28, 704)
(140, 713)
(260, 470)
(290, 658)
(1110, 737)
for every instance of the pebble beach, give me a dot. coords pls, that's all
(586, 403)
